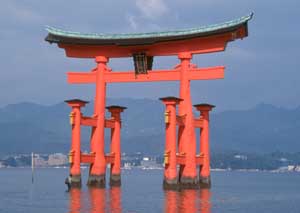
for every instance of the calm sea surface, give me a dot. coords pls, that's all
(142, 192)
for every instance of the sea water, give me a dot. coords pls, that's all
(141, 191)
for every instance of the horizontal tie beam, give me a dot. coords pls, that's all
(90, 121)
(151, 76)
(90, 158)
(198, 123)
(81, 77)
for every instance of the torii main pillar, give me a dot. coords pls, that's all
(98, 168)
(204, 170)
(186, 132)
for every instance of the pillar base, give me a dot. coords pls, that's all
(73, 181)
(170, 184)
(189, 183)
(96, 181)
(115, 180)
(205, 182)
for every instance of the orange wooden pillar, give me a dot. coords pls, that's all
(170, 174)
(186, 132)
(74, 156)
(204, 171)
(115, 146)
(98, 168)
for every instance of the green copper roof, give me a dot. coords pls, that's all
(61, 36)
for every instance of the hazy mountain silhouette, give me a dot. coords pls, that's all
(27, 127)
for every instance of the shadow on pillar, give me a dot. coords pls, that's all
(115, 180)
(97, 181)
(73, 181)
(188, 183)
(205, 182)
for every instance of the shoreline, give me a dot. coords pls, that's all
(161, 168)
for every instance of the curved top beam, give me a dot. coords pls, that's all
(132, 39)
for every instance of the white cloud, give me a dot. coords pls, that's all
(132, 21)
(152, 9)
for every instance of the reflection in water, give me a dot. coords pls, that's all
(205, 203)
(109, 200)
(188, 201)
(171, 199)
(98, 200)
(115, 200)
(75, 200)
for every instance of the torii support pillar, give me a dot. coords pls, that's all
(204, 170)
(170, 174)
(98, 168)
(74, 179)
(186, 132)
(115, 146)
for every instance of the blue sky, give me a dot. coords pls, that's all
(263, 67)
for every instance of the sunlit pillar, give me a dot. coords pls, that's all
(186, 133)
(74, 180)
(98, 168)
(204, 171)
(170, 174)
(115, 146)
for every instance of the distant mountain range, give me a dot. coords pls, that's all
(27, 127)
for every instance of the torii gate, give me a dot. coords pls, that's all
(180, 150)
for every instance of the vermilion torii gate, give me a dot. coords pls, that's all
(180, 149)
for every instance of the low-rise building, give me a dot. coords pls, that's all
(57, 159)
